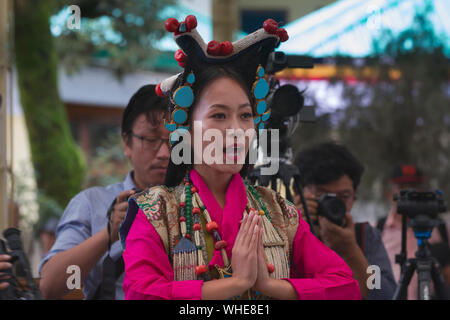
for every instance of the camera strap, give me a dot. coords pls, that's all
(111, 270)
(359, 234)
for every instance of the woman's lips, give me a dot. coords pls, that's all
(233, 152)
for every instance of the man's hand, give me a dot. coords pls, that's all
(342, 240)
(118, 213)
(4, 265)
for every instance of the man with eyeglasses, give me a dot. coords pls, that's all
(86, 237)
(330, 168)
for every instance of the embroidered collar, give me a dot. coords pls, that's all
(227, 218)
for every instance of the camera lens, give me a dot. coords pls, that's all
(12, 235)
(332, 208)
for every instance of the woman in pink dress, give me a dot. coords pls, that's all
(206, 223)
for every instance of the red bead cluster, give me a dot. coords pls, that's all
(180, 57)
(220, 244)
(172, 24)
(210, 226)
(270, 268)
(158, 91)
(201, 269)
(271, 26)
(216, 48)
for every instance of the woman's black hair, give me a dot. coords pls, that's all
(176, 173)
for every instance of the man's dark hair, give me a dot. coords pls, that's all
(327, 162)
(144, 101)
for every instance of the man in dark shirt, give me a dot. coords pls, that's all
(330, 168)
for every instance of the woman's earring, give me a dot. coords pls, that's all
(260, 90)
(182, 98)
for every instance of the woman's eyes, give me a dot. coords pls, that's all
(218, 116)
(245, 115)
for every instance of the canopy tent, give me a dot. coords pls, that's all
(349, 27)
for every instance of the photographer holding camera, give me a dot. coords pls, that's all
(330, 175)
(87, 233)
(4, 265)
(406, 177)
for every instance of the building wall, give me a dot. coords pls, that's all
(90, 124)
(228, 14)
(294, 9)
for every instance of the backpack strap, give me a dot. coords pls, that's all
(442, 228)
(380, 223)
(359, 234)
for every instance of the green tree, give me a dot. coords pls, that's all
(403, 118)
(58, 162)
(118, 34)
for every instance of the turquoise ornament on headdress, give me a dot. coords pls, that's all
(261, 107)
(170, 126)
(245, 56)
(182, 98)
(179, 116)
(265, 116)
(175, 135)
(260, 90)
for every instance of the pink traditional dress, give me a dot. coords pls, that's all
(157, 224)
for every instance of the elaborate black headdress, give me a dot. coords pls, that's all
(246, 57)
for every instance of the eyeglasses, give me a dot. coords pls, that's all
(343, 196)
(151, 143)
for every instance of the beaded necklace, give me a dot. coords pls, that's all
(189, 254)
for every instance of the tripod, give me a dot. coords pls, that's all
(424, 264)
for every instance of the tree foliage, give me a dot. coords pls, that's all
(132, 26)
(118, 34)
(402, 115)
(57, 160)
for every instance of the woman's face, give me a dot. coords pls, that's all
(227, 126)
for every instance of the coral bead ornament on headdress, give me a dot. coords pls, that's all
(246, 57)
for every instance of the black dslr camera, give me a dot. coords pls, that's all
(413, 203)
(15, 290)
(332, 208)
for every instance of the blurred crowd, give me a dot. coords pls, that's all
(87, 233)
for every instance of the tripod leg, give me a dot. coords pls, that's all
(438, 281)
(424, 278)
(401, 292)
